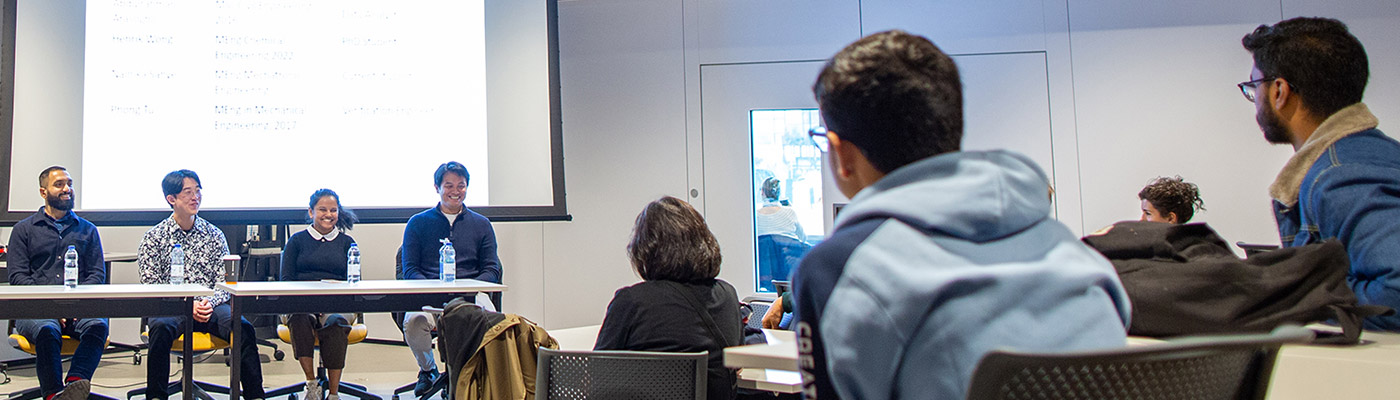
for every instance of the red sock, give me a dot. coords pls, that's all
(50, 396)
(71, 379)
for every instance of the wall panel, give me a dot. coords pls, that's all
(962, 27)
(623, 91)
(1155, 95)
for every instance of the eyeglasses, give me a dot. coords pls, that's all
(1248, 87)
(818, 136)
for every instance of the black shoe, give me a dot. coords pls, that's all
(425, 382)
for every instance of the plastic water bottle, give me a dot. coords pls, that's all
(177, 265)
(447, 260)
(352, 264)
(70, 268)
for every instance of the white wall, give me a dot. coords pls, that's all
(1134, 89)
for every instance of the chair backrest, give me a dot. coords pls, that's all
(778, 255)
(578, 375)
(1213, 367)
(760, 307)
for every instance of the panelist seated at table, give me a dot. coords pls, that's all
(38, 245)
(204, 247)
(474, 242)
(1171, 200)
(679, 306)
(320, 252)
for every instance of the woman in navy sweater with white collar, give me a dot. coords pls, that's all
(320, 252)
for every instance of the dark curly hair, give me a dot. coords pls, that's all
(672, 242)
(1173, 195)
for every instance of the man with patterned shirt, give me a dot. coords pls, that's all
(204, 246)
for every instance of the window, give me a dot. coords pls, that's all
(787, 191)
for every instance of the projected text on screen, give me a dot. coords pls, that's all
(272, 99)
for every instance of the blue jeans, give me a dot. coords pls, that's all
(163, 332)
(47, 337)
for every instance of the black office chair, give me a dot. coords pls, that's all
(581, 375)
(759, 306)
(1216, 367)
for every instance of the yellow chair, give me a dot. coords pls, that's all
(358, 333)
(203, 342)
(69, 346)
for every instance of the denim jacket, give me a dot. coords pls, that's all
(1344, 183)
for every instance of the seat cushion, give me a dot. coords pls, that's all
(22, 343)
(358, 333)
(202, 342)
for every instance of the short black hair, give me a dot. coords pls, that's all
(345, 219)
(453, 167)
(772, 189)
(174, 182)
(1319, 58)
(671, 242)
(1173, 195)
(44, 176)
(895, 96)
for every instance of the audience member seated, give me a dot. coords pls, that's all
(1170, 200)
(1343, 181)
(679, 306)
(942, 255)
(320, 252)
(775, 217)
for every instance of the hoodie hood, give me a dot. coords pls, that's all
(972, 195)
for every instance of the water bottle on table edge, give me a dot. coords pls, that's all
(447, 262)
(177, 265)
(70, 268)
(352, 264)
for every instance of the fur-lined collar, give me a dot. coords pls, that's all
(1352, 119)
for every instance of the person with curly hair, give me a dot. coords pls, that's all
(1170, 200)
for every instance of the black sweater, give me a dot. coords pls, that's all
(308, 259)
(655, 316)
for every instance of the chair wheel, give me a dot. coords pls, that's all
(292, 396)
(279, 355)
(394, 397)
(136, 358)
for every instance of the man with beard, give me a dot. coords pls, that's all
(1343, 181)
(37, 246)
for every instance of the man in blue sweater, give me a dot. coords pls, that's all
(1343, 181)
(37, 245)
(472, 238)
(942, 255)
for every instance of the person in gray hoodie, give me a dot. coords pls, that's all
(942, 255)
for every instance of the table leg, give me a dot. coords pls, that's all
(235, 352)
(187, 382)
